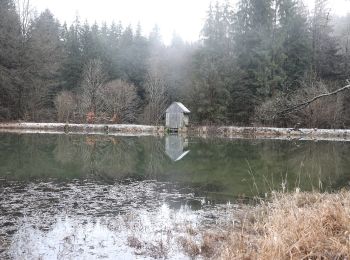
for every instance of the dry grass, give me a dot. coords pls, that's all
(293, 226)
(189, 246)
(134, 242)
(207, 246)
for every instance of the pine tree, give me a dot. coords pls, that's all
(295, 42)
(212, 65)
(324, 46)
(113, 50)
(72, 65)
(46, 54)
(10, 39)
(253, 34)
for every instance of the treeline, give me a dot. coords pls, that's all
(253, 61)
(266, 56)
(110, 73)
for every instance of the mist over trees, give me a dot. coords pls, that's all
(254, 59)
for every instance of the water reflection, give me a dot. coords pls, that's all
(175, 146)
(216, 168)
(70, 196)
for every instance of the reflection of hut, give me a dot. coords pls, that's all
(177, 116)
(175, 146)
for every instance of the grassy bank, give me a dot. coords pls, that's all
(293, 226)
(287, 226)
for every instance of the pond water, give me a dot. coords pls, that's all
(108, 197)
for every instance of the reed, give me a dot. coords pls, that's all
(292, 226)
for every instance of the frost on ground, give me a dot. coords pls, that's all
(85, 220)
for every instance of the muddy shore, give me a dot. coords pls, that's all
(203, 131)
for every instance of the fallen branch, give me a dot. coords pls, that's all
(307, 103)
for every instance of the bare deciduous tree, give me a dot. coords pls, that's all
(157, 96)
(25, 12)
(120, 100)
(25, 19)
(65, 105)
(93, 79)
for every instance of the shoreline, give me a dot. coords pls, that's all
(231, 132)
(61, 128)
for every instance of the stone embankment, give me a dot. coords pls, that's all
(81, 128)
(273, 133)
(203, 131)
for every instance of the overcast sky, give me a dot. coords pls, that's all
(185, 17)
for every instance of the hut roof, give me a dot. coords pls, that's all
(177, 107)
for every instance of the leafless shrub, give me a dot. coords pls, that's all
(267, 111)
(120, 101)
(65, 105)
(323, 113)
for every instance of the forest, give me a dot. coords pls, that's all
(255, 59)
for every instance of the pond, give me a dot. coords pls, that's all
(108, 197)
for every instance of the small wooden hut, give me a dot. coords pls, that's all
(177, 116)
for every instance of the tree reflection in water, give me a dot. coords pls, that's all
(227, 168)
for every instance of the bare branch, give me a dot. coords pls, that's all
(307, 103)
(25, 13)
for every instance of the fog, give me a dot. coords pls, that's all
(184, 17)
